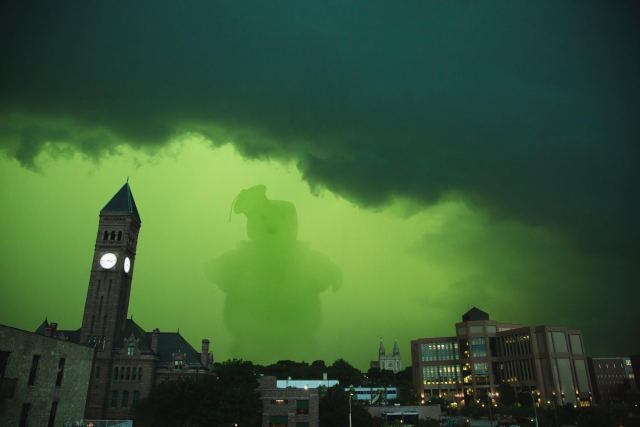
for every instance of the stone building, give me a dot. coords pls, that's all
(391, 362)
(43, 381)
(129, 361)
(291, 406)
(468, 367)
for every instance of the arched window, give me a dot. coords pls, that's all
(114, 399)
(139, 374)
(119, 236)
(125, 399)
(115, 374)
(122, 373)
(130, 349)
(128, 374)
(113, 235)
(133, 374)
(136, 399)
(106, 235)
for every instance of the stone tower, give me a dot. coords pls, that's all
(105, 310)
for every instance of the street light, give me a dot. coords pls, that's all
(350, 394)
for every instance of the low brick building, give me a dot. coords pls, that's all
(43, 380)
(288, 407)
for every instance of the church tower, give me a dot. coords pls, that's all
(105, 311)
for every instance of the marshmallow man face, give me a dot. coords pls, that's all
(273, 221)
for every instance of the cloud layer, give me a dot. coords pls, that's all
(528, 110)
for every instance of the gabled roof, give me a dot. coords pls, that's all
(132, 328)
(123, 202)
(41, 328)
(168, 343)
(475, 314)
(172, 342)
(71, 336)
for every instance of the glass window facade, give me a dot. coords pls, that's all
(560, 342)
(478, 347)
(566, 378)
(444, 374)
(581, 374)
(576, 344)
(481, 371)
(438, 351)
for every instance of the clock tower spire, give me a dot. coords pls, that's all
(105, 311)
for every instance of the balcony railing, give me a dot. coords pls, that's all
(8, 387)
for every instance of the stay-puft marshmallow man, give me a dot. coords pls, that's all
(273, 281)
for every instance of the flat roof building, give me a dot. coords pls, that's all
(469, 366)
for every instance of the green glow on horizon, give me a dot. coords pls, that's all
(407, 271)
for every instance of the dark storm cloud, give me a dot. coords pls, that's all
(528, 109)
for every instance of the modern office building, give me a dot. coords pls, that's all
(467, 367)
(44, 380)
(613, 380)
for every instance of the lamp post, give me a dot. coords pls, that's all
(554, 409)
(350, 394)
(491, 396)
(534, 405)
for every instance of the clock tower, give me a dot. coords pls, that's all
(105, 311)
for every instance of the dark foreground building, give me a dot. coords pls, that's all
(129, 361)
(469, 366)
(290, 406)
(613, 381)
(43, 381)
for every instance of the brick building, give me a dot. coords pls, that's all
(467, 367)
(287, 407)
(43, 381)
(129, 361)
(613, 380)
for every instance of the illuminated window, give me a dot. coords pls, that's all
(177, 364)
(280, 402)
(130, 349)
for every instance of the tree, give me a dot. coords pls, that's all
(345, 373)
(223, 399)
(507, 394)
(334, 409)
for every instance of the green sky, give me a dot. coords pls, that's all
(405, 273)
(444, 154)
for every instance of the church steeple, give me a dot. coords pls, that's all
(381, 352)
(396, 350)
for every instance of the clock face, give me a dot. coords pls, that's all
(108, 260)
(127, 264)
